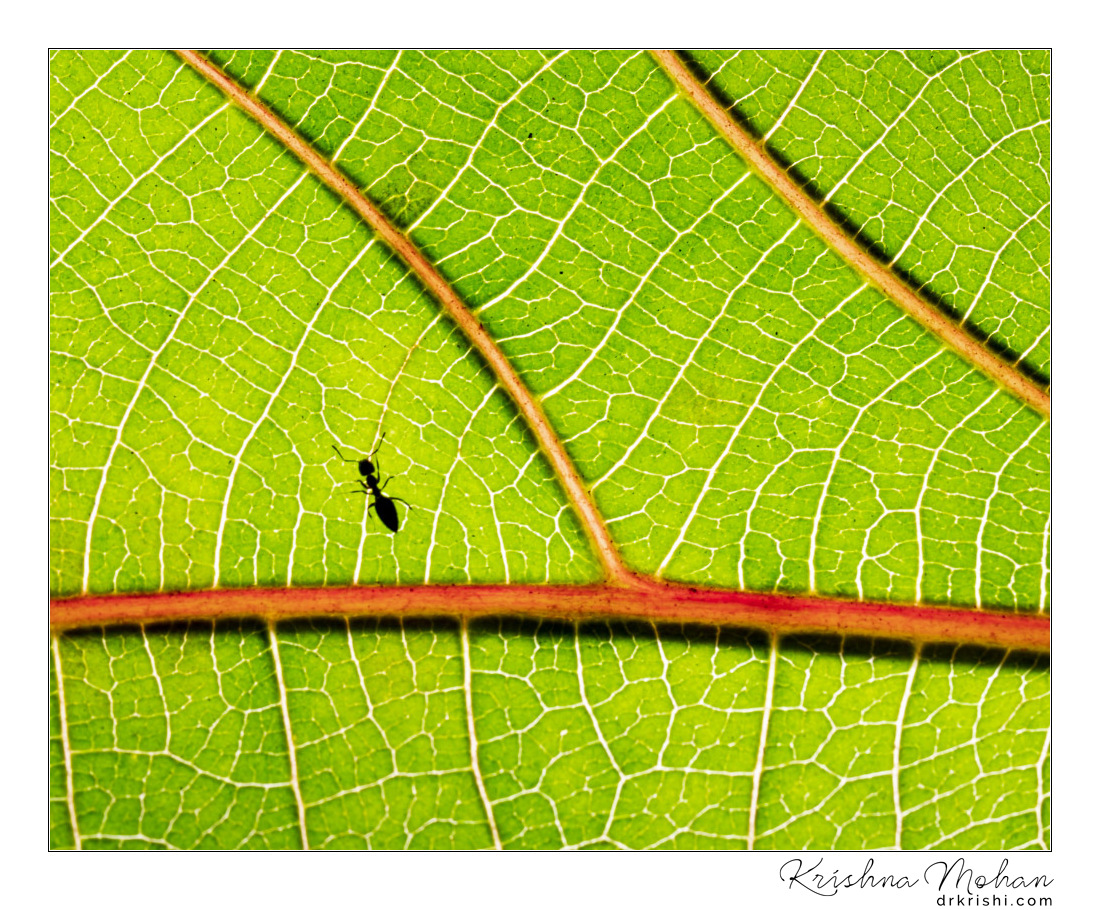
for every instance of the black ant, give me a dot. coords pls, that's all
(382, 504)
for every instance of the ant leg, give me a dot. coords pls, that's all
(398, 499)
(341, 454)
(370, 505)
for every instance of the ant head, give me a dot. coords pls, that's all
(366, 467)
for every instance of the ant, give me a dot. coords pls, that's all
(382, 504)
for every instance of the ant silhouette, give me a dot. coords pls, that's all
(382, 504)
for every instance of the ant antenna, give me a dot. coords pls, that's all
(377, 447)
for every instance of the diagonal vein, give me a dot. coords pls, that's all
(884, 278)
(143, 382)
(452, 304)
(239, 456)
(133, 183)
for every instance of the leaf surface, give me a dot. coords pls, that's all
(745, 412)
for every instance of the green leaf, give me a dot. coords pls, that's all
(745, 411)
